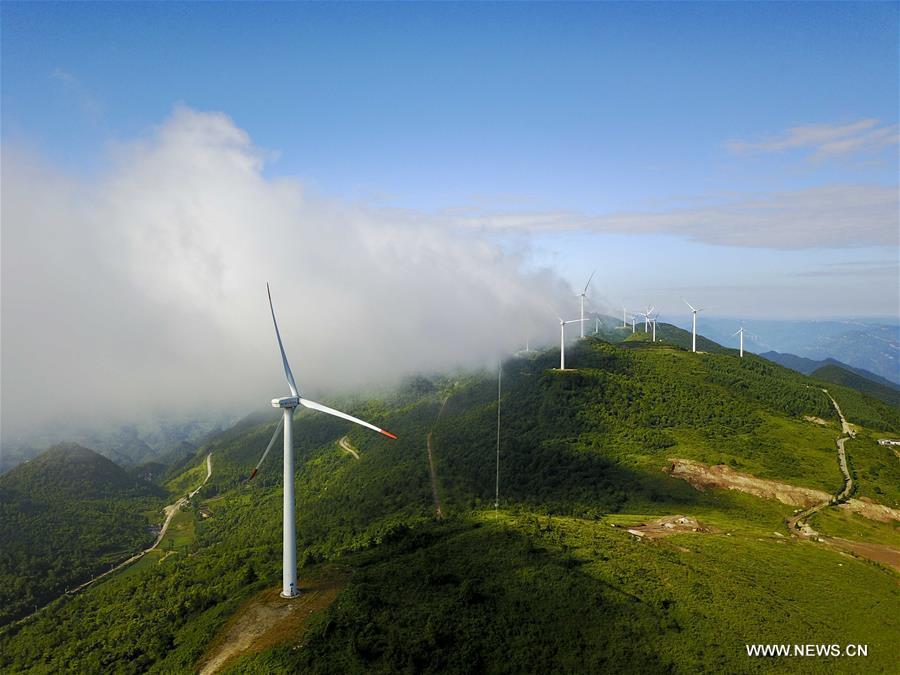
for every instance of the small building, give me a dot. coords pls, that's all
(888, 441)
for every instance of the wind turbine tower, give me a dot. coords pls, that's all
(647, 318)
(582, 295)
(741, 332)
(693, 325)
(562, 339)
(288, 404)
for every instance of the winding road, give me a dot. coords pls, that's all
(345, 445)
(434, 487)
(798, 525)
(170, 512)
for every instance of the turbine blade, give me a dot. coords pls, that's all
(734, 333)
(590, 278)
(268, 447)
(312, 405)
(689, 305)
(287, 367)
(553, 310)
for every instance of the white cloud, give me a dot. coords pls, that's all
(144, 291)
(829, 216)
(825, 141)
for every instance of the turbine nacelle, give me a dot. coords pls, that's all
(286, 402)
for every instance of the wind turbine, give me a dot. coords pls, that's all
(596, 325)
(581, 295)
(741, 332)
(693, 324)
(633, 322)
(624, 320)
(646, 316)
(288, 404)
(562, 339)
(653, 323)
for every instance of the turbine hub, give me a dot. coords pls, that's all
(286, 402)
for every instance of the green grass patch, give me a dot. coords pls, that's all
(840, 523)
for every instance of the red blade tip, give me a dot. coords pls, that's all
(388, 434)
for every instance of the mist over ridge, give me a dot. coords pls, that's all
(141, 292)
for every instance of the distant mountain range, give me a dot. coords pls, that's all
(863, 344)
(129, 445)
(71, 471)
(832, 370)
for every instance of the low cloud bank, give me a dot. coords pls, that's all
(142, 292)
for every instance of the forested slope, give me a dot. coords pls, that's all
(546, 583)
(64, 516)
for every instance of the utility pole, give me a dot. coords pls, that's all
(497, 485)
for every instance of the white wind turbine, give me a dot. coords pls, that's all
(693, 325)
(741, 332)
(646, 316)
(582, 295)
(633, 322)
(562, 339)
(624, 319)
(653, 323)
(288, 404)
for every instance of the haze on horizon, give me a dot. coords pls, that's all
(419, 206)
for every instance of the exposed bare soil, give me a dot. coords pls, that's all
(871, 510)
(667, 526)
(703, 477)
(267, 619)
(815, 420)
(877, 552)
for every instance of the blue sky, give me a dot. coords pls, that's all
(512, 112)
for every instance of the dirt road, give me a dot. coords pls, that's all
(847, 433)
(434, 486)
(170, 512)
(798, 525)
(345, 445)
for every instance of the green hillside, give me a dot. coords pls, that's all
(837, 375)
(65, 515)
(70, 471)
(552, 581)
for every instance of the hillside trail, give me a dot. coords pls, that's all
(798, 525)
(439, 514)
(344, 442)
(267, 619)
(170, 512)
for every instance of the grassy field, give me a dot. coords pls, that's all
(840, 523)
(877, 468)
(187, 481)
(513, 582)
